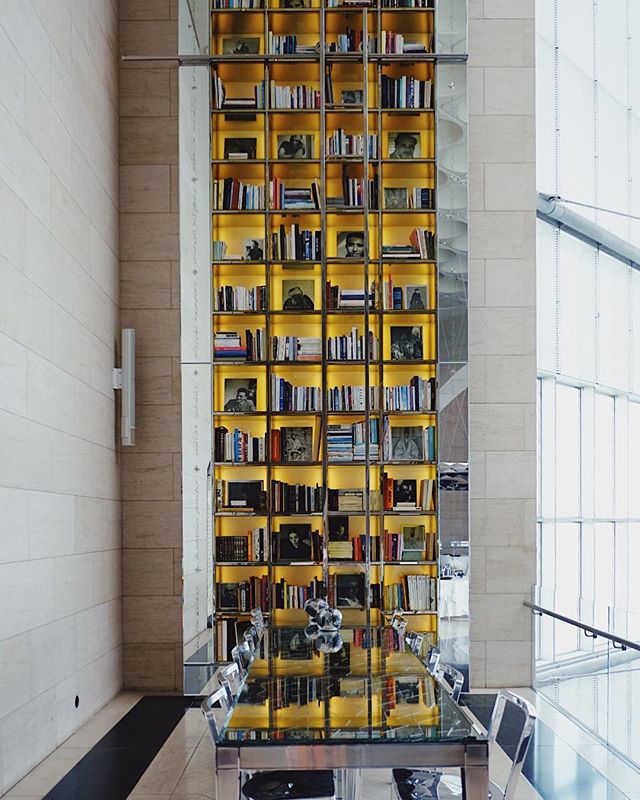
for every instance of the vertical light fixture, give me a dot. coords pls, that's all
(124, 379)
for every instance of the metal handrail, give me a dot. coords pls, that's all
(619, 642)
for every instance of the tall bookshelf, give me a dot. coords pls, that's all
(260, 146)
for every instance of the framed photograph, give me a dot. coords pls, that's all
(350, 244)
(396, 197)
(254, 249)
(246, 494)
(294, 542)
(254, 692)
(404, 144)
(405, 493)
(295, 3)
(408, 691)
(413, 542)
(350, 590)
(353, 687)
(228, 596)
(240, 394)
(241, 45)
(406, 343)
(416, 297)
(296, 444)
(240, 147)
(352, 97)
(293, 645)
(339, 529)
(298, 295)
(407, 443)
(295, 145)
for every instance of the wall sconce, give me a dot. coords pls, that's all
(124, 379)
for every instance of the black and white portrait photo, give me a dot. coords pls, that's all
(298, 295)
(350, 590)
(404, 144)
(416, 297)
(240, 147)
(294, 542)
(228, 596)
(296, 444)
(339, 529)
(238, 45)
(295, 145)
(405, 492)
(396, 197)
(254, 249)
(240, 394)
(352, 97)
(295, 3)
(406, 343)
(407, 444)
(350, 244)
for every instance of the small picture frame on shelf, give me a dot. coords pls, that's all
(295, 145)
(294, 542)
(339, 529)
(298, 295)
(407, 443)
(228, 596)
(254, 249)
(296, 444)
(240, 394)
(405, 494)
(352, 97)
(241, 45)
(350, 244)
(406, 343)
(246, 495)
(413, 542)
(350, 590)
(240, 148)
(396, 197)
(353, 687)
(293, 645)
(295, 3)
(404, 145)
(416, 298)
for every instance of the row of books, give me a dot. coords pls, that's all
(228, 344)
(349, 42)
(413, 543)
(252, 546)
(337, 297)
(298, 96)
(287, 397)
(296, 348)
(351, 347)
(413, 593)
(238, 298)
(390, 42)
(222, 101)
(288, 595)
(244, 595)
(405, 92)
(354, 549)
(421, 246)
(352, 500)
(296, 498)
(287, 44)
(351, 398)
(419, 395)
(341, 143)
(223, 5)
(290, 199)
(238, 446)
(230, 194)
(353, 193)
(348, 442)
(296, 244)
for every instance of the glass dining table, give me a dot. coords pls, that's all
(370, 704)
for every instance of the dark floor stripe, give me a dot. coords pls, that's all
(554, 769)
(116, 763)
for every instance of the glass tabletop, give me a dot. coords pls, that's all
(372, 689)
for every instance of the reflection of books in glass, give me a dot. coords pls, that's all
(407, 691)
(254, 692)
(353, 687)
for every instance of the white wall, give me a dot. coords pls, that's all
(60, 591)
(502, 342)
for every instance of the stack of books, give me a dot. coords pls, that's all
(296, 348)
(348, 442)
(336, 297)
(228, 344)
(285, 199)
(351, 398)
(340, 551)
(287, 397)
(351, 347)
(339, 445)
(239, 298)
(360, 440)
(296, 244)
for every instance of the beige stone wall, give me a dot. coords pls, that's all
(150, 303)
(502, 338)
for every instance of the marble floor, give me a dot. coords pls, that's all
(181, 766)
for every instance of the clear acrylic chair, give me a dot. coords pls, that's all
(421, 784)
